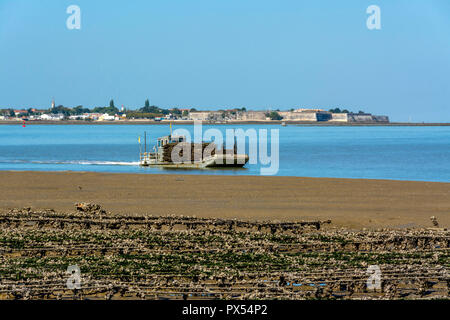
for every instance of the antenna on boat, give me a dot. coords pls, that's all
(139, 140)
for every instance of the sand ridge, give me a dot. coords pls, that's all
(352, 203)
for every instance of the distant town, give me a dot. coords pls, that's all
(153, 113)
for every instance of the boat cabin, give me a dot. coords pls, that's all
(170, 139)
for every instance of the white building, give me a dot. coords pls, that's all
(51, 117)
(79, 117)
(206, 115)
(199, 116)
(106, 117)
(253, 116)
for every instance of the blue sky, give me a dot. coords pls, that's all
(216, 54)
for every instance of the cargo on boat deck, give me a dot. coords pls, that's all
(197, 151)
(176, 152)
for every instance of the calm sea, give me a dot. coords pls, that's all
(401, 153)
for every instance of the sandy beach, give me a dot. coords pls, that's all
(351, 203)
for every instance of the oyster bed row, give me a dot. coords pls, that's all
(176, 257)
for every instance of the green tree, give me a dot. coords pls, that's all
(143, 115)
(176, 111)
(61, 109)
(111, 104)
(80, 110)
(147, 104)
(150, 109)
(273, 115)
(109, 110)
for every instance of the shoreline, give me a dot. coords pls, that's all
(350, 203)
(216, 175)
(273, 122)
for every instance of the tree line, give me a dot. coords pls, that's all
(147, 111)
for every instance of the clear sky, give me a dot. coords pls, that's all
(213, 54)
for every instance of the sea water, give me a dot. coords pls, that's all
(371, 152)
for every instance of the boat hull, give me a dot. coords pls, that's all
(216, 161)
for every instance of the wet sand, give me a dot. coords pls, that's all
(352, 203)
